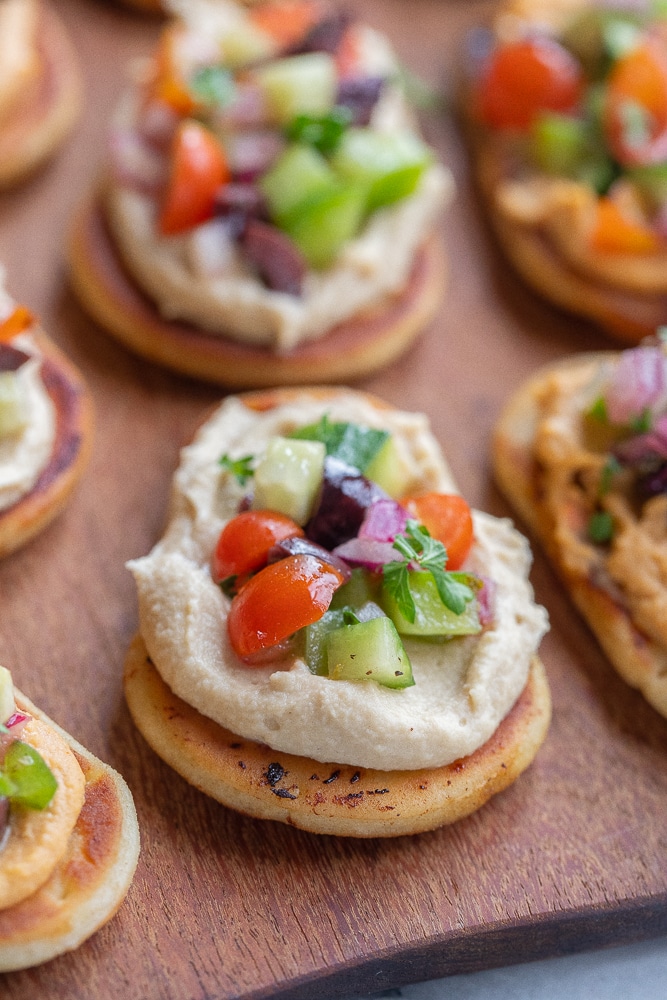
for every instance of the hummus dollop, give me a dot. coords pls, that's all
(463, 687)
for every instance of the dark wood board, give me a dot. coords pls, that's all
(571, 857)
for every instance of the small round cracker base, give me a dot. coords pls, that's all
(47, 108)
(90, 882)
(74, 431)
(330, 798)
(354, 348)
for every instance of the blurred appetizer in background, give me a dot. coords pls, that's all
(69, 839)
(567, 108)
(347, 663)
(270, 211)
(45, 426)
(40, 88)
(581, 452)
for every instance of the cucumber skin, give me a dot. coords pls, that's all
(369, 651)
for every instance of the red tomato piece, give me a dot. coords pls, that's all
(635, 116)
(279, 600)
(449, 519)
(244, 542)
(287, 21)
(17, 321)
(615, 233)
(198, 168)
(525, 77)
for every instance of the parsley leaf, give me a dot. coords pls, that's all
(323, 132)
(610, 469)
(241, 468)
(601, 527)
(351, 443)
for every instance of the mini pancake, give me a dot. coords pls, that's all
(92, 878)
(354, 348)
(637, 658)
(74, 426)
(330, 798)
(47, 107)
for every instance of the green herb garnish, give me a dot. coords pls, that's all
(323, 132)
(598, 411)
(350, 617)
(213, 85)
(241, 468)
(610, 469)
(417, 546)
(351, 443)
(642, 423)
(601, 527)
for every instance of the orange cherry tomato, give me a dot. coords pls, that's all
(279, 600)
(449, 519)
(18, 321)
(615, 233)
(198, 169)
(525, 77)
(244, 542)
(168, 84)
(287, 21)
(635, 115)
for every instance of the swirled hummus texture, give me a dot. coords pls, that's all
(463, 687)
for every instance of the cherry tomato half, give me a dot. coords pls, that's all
(198, 169)
(525, 77)
(615, 233)
(244, 542)
(287, 21)
(635, 116)
(449, 519)
(279, 600)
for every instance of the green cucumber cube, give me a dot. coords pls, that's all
(245, 43)
(432, 618)
(359, 589)
(288, 477)
(303, 84)
(389, 165)
(29, 772)
(315, 653)
(322, 225)
(6, 695)
(298, 174)
(13, 415)
(369, 651)
(387, 470)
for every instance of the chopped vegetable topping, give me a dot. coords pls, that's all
(240, 468)
(351, 443)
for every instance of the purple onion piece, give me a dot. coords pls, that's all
(367, 553)
(15, 724)
(345, 496)
(486, 601)
(652, 482)
(325, 36)
(238, 196)
(280, 263)
(383, 521)
(11, 358)
(360, 95)
(637, 383)
(303, 546)
(644, 447)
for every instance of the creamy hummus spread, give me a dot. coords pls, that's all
(463, 687)
(236, 304)
(25, 453)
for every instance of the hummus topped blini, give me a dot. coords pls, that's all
(311, 649)
(567, 113)
(45, 426)
(269, 213)
(39, 86)
(581, 452)
(69, 839)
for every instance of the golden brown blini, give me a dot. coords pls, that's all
(554, 463)
(80, 853)
(276, 741)
(40, 87)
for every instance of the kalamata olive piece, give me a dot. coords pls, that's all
(279, 261)
(304, 546)
(360, 95)
(11, 358)
(325, 36)
(345, 495)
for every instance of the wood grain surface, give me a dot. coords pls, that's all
(571, 857)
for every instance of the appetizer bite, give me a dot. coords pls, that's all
(69, 839)
(567, 110)
(270, 210)
(40, 89)
(45, 426)
(314, 651)
(581, 452)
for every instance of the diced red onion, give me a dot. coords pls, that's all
(158, 123)
(486, 601)
(383, 521)
(637, 384)
(11, 358)
(651, 445)
(211, 248)
(367, 553)
(325, 36)
(303, 546)
(248, 107)
(251, 153)
(134, 163)
(15, 724)
(360, 94)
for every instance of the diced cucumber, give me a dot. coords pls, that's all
(13, 415)
(298, 174)
(34, 780)
(359, 589)
(303, 84)
(323, 224)
(387, 470)
(390, 165)
(6, 695)
(245, 43)
(369, 651)
(315, 653)
(431, 616)
(288, 477)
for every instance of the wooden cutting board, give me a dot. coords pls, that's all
(571, 857)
